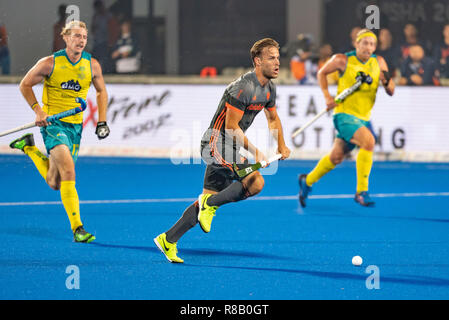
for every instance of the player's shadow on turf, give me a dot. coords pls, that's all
(357, 214)
(197, 252)
(41, 233)
(229, 253)
(405, 279)
(420, 219)
(120, 246)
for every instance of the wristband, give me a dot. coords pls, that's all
(34, 105)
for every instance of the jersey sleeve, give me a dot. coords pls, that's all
(239, 96)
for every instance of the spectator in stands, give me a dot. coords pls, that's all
(58, 41)
(417, 69)
(352, 38)
(410, 39)
(325, 53)
(303, 64)
(126, 52)
(388, 50)
(100, 31)
(441, 54)
(301, 41)
(114, 26)
(5, 61)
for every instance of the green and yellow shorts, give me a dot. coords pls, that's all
(346, 126)
(60, 132)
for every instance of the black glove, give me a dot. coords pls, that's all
(360, 76)
(102, 130)
(366, 78)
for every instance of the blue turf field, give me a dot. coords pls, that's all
(263, 248)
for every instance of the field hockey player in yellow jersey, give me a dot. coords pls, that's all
(67, 74)
(351, 117)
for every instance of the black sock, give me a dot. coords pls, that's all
(188, 220)
(234, 192)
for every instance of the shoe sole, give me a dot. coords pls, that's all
(163, 252)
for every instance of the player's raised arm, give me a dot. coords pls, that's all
(336, 63)
(385, 76)
(102, 129)
(35, 76)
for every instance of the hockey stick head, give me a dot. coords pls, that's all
(70, 112)
(82, 102)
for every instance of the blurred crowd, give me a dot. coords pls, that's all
(4, 52)
(113, 43)
(413, 61)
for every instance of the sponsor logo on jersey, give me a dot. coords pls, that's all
(71, 85)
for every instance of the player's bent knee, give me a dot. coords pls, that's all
(337, 158)
(55, 185)
(53, 180)
(368, 142)
(67, 174)
(369, 145)
(256, 185)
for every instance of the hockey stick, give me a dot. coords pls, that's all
(360, 79)
(262, 164)
(52, 118)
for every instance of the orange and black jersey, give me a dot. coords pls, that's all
(246, 96)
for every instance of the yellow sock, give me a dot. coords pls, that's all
(364, 163)
(324, 166)
(71, 203)
(40, 161)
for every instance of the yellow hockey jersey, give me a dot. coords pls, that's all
(67, 81)
(361, 102)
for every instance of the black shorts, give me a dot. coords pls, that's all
(219, 172)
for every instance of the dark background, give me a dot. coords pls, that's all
(428, 16)
(221, 33)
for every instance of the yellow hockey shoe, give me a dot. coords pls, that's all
(167, 248)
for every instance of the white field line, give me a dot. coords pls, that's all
(262, 198)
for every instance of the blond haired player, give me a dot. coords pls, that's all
(67, 74)
(351, 117)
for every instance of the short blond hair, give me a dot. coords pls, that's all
(74, 24)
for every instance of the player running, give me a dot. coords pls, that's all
(351, 117)
(67, 74)
(242, 100)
